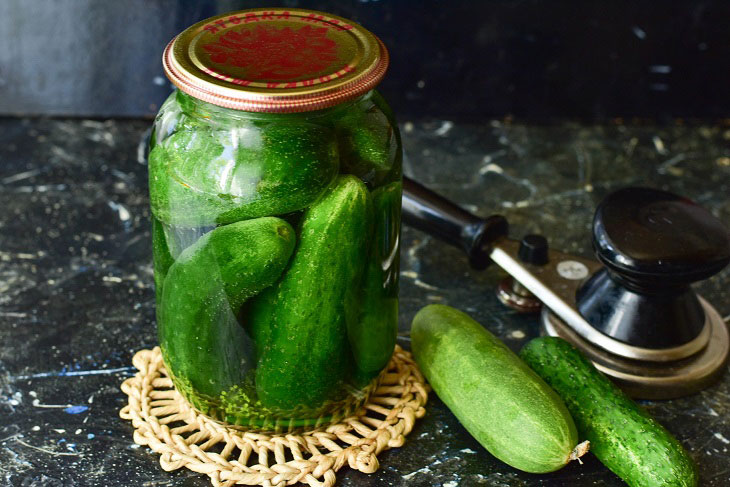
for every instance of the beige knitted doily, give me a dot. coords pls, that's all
(183, 437)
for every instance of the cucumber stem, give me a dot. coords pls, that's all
(580, 450)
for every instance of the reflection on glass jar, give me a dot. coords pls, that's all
(276, 220)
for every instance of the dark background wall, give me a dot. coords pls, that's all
(535, 60)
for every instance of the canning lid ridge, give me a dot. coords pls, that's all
(275, 60)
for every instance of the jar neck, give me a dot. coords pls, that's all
(202, 110)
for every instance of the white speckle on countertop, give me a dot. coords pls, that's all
(425, 285)
(720, 437)
(660, 68)
(659, 145)
(467, 450)
(444, 129)
(490, 167)
(409, 476)
(123, 212)
(639, 32)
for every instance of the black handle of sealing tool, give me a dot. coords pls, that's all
(429, 212)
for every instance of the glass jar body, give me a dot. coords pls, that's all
(276, 243)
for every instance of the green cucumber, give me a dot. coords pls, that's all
(167, 243)
(623, 436)
(368, 141)
(299, 325)
(161, 256)
(373, 331)
(203, 344)
(209, 177)
(181, 112)
(495, 396)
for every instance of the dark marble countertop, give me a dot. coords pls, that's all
(76, 295)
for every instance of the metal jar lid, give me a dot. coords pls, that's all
(275, 60)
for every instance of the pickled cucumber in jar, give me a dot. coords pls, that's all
(275, 202)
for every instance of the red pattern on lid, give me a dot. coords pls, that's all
(272, 53)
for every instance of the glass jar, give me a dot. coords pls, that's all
(275, 190)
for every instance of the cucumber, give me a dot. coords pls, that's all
(203, 344)
(495, 396)
(368, 141)
(181, 112)
(167, 243)
(161, 256)
(623, 436)
(373, 331)
(299, 324)
(206, 177)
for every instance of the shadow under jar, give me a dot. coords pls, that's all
(275, 189)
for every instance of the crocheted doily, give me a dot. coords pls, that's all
(165, 422)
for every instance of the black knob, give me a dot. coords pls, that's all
(653, 244)
(533, 250)
(656, 237)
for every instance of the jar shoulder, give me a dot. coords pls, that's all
(181, 112)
